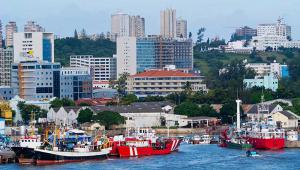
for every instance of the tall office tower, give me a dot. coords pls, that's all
(168, 23)
(33, 46)
(31, 26)
(126, 55)
(139, 54)
(10, 29)
(275, 29)
(6, 59)
(1, 38)
(119, 25)
(181, 28)
(137, 26)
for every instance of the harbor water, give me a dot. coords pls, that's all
(189, 157)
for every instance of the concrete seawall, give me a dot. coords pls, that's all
(292, 144)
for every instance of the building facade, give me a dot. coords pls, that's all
(279, 29)
(163, 82)
(6, 59)
(33, 46)
(262, 69)
(6, 93)
(246, 32)
(181, 28)
(1, 35)
(103, 68)
(168, 23)
(75, 83)
(136, 26)
(10, 29)
(32, 26)
(139, 54)
(267, 81)
(36, 80)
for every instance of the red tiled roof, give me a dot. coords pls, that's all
(163, 73)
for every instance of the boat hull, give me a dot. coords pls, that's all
(238, 146)
(44, 157)
(129, 151)
(24, 155)
(273, 143)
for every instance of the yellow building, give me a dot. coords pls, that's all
(6, 111)
(286, 119)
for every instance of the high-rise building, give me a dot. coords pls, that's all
(33, 46)
(10, 29)
(137, 26)
(275, 29)
(32, 26)
(119, 25)
(181, 28)
(1, 37)
(6, 59)
(168, 23)
(33, 80)
(126, 25)
(126, 55)
(103, 68)
(139, 54)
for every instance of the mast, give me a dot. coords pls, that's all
(238, 115)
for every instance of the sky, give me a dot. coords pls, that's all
(219, 17)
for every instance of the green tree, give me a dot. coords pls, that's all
(207, 110)
(29, 111)
(200, 35)
(128, 99)
(188, 88)
(75, 34)
(62, 102)
(228, 112)
(121, 83)
(187, 108)
(85, 115)
(109, 118)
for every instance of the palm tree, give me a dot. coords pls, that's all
(188, 88)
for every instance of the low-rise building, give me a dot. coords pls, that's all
(163, 82)
(6, 93)
(286, 119)
(262, 69)
(262, 111)
(268, 82)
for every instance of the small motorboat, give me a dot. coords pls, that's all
(252, 153)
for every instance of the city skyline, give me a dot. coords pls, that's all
(95, 16)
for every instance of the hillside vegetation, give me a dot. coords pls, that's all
(71, 46)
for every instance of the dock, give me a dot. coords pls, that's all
(7, 156)
(292, 144)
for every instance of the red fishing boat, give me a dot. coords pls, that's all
(145, 143)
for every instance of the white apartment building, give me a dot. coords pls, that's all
(168, 23)
(32, 26)
(103, 68)
(279, 29)
(33, 46)
(163, 82)
(137, 26)
(10, 29)
(181, 28)
(263, 69)
(126, 56)
(119, 25)
(265, 41)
